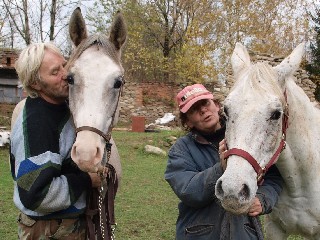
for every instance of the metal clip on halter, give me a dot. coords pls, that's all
(108, 146)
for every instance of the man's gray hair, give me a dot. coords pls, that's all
(28, 64)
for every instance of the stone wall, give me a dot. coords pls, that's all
(303, 78)
(153, 100)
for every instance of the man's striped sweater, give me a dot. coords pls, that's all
(47, 183)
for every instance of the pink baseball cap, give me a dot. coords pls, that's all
(190, 95)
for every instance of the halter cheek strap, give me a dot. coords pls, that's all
(254, 163)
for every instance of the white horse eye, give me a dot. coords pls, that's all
(275, 115)
(118, 82)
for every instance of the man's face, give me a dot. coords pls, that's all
(204, 116)
(52, 86)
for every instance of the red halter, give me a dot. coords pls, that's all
(247, 156)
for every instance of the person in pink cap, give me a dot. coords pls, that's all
(194, 166)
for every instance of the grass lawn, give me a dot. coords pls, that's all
(8, 210)
(146, 207)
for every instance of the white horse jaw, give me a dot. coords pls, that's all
(87, 151)
(236, 189)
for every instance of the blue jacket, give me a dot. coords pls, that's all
(192, 171)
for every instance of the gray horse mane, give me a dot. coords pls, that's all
(99, 40)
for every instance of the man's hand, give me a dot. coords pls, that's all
(95, 180)
(255, 208)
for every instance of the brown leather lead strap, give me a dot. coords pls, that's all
(109, 202)
(91, 214)
(107, 211)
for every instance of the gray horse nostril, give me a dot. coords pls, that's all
(244, 192)
(219, 190)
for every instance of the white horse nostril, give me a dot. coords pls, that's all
(244, 193)
(74, 154)
(219, 190)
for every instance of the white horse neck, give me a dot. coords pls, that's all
(299, 163)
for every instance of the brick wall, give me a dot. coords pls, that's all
(8, 58)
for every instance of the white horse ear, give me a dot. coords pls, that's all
(77, 27)
(240, 58)
(290, 64)
(118, 32)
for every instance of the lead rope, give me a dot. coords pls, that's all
(102, 197)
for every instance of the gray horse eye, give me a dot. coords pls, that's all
(70, 79)
(118, 82)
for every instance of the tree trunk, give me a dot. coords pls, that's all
(53, 12)
(27, 36)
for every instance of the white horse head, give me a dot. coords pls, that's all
(256, 108)
(95, 77)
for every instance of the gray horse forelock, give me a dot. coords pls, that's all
(101, 41)
(261, 78)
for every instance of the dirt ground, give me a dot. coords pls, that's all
(6, 109)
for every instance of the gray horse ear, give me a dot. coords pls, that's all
(290, 64)
(77, 27)
(118, 32)
(240, 58)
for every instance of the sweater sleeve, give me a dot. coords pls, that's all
(193, 186)
(44, 189)
(268, 193)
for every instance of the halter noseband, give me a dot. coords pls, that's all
(106, 137)
(254, 163)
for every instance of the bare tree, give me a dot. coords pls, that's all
(19, 17)
(38, 20)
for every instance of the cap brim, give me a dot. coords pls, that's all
(189, 104)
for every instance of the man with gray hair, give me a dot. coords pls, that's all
(49, 189)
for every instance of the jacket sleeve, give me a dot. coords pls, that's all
(268, 193)
(193, 186)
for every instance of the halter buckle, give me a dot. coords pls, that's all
(261, 175)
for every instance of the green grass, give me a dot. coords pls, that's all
(7, 209)
(146, 207)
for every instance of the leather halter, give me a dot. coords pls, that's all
(261, 171)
